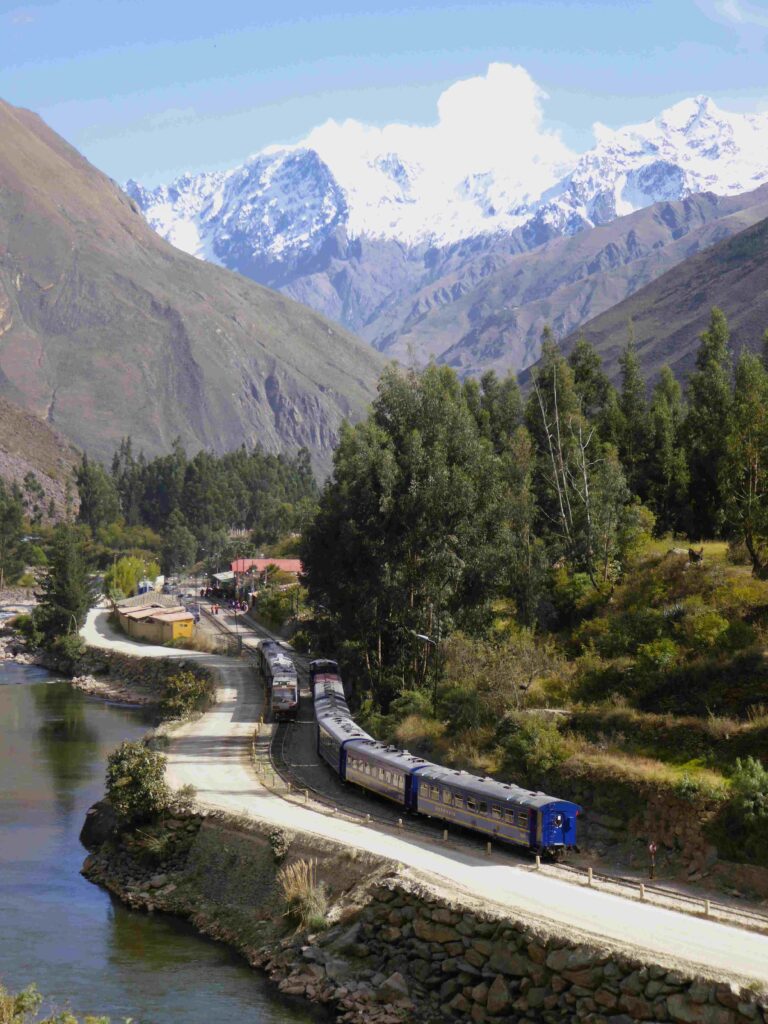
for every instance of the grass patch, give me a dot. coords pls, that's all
(305, 898)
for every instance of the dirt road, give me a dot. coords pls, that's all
(212, 754)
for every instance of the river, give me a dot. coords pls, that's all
(85, 951)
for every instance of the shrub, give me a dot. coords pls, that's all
(136, 784)
(532, 744)
(23, 1008)
(741, 831)
(420, 733)
(184, 693)
(183, 800)
(306, 900)
(25, 624)
(704, 628)
(27, 579)
(70, 646)
(657, 656)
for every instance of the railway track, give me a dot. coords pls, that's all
(292, 756)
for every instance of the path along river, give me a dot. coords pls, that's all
(83, 950)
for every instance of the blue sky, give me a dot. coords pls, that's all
(149, 89)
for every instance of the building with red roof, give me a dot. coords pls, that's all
(258, 565)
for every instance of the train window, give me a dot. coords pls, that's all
(434, 793)
(510, 817)
(471, 804)
(458, 801)
(447, 796)
(482, 807)
(496, 812)
(522, 819)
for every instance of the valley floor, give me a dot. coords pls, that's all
(213, 754)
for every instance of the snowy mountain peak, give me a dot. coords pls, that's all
(488, 165)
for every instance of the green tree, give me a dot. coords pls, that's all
(667, 464)
(122, 578)
(405, 539)
(590, 382)
(634, 433)
(34, 498)
(179, 548)
(66, 589)
(745, 465)
(11, 533)
(136, 784)
(707, 427)
(99, 503)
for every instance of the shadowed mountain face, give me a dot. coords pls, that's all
(106, 330)
(669, 315)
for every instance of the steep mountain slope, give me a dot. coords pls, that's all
(497, 322)
(385, 229)
(669, 315)
(107, 330)
(27, 445)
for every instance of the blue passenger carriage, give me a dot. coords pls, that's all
(335, 726)
(383, 769)
(503, 811)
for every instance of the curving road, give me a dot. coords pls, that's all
(213, 755)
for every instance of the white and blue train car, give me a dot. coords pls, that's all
(335, 726)
(500, 810)
(384, 770)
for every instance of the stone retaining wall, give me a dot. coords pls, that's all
(433, 960)
(397, 950)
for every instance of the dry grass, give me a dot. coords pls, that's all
(305, 898)
(634, 769)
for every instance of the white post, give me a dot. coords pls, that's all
(487, 849)
(399, 822)
(589, 877)
(707, 908)
(538, 862)
(445, 835)
(368, 819)
(642, 891)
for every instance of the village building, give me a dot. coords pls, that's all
(155, 618)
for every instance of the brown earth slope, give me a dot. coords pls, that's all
(107, 331)
(488, 310)
(27, 445)
(669, 314)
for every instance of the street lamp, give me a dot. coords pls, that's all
(434, 643)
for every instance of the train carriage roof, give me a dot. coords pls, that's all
(488, 789)
(393, 757)
(341, 727)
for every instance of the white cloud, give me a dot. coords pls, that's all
(489, 123)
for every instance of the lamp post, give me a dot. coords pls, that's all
(433, 643)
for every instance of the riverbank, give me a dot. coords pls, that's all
(395, 948)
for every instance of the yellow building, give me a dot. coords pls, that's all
(156, 624)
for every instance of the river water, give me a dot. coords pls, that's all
(85, 951)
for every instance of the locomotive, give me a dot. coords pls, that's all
(503, 811)
(281, 678)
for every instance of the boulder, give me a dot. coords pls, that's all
(101, 823)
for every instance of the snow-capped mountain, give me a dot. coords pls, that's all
(354, 219)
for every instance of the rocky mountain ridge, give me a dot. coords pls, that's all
(394, 246)
(108, 331)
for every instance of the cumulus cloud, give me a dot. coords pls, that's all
(490, 125)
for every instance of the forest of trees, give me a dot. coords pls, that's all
(453, 496)
(192, 504)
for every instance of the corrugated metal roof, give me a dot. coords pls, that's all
(149, 611)
(173, 617)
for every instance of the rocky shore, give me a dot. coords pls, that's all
(395, 950)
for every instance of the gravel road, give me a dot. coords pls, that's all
(212, 754)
